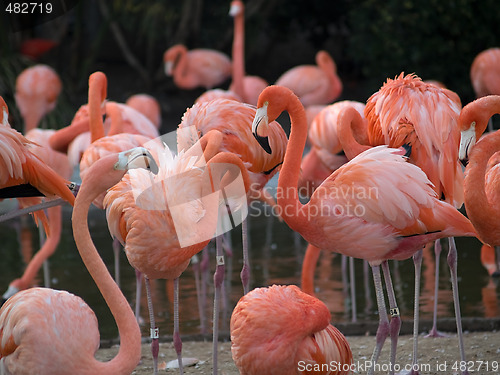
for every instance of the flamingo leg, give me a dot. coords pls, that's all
(116, 251)
(383, 326)
(245, 271)
(195, 261)
(155, 346)
(452, 262)
(366, 280)
(138, 292)
(434, 332)
(177, 337)
(497, 262)
(218, 280)
(417, 261)
(46, 269)
(395, 324)
(204, 267)
(353, 289)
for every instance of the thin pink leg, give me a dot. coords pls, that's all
(395, 324)
(245, 271)
(116, 250)
(177, 336)
(452, 262)
(218, 280)
(155, 346)
(353, 289)
(138, 292)
(383, 326)
(434, 332)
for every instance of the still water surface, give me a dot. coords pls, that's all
(276, 256)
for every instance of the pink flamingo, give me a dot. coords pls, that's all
(148, 106)
(395, 223)
(485, 73)
(48, 331)
(153, 239)
(314, 84)
(280, 329)
(198, 67)
(247, 87)
(37, 90)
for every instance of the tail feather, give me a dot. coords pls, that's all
(45, 179)
(38, 216)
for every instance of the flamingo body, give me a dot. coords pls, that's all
(485, 73)
(275, 329)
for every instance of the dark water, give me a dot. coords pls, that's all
(276, 256)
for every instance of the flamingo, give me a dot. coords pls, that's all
(153, 238)
(482, 173)
(407, 110)
(37, 90)
(280, 329)
(47, 331)
(247, 87)
(18, 165)
(403, 215)
(148, 106)
(197, 67)
(59, 162)
(485, 73)
(314, 84)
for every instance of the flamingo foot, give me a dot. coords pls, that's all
(434, 333)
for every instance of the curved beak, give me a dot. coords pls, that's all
(138, 157)
(259, 127)
(467, 141)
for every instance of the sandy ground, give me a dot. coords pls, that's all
(436, 355)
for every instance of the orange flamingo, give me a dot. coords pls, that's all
(153, 239)
(343, 216)
(59, 162)
(37, 90)
(481, 185)
(314, 84)
(18, 165)
(47, 331)
(280, 329)
(233, 119)
(247, 87)
(197, 67)
(407, 110)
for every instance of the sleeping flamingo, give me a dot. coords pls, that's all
(485, 73)
(37, 90)
(198, 67)
(314, 84)
(47, 331)
(400, 215)
(280, 329)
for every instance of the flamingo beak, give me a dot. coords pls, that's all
(138, 157)
(259, 126)
(467, 141)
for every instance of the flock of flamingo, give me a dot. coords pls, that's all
(383, 179)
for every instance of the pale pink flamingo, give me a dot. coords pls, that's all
(59, 162)
(247, 87)
(280, 329)
(485, 73)
(46, 331)
(37, 90)
(393, 223)
(197, 67)
(148, 106)
(314, 84)
(154, 240)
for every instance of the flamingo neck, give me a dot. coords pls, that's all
(350, 122)
(97, 94)
(130, 337)
(239, 55)
(287, 194)
(485, 215)
(182, 76)
(115, 114)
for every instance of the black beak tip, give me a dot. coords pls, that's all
(464, 162)
(263, 142)
(407, 148)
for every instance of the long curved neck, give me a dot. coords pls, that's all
(287, 194)
(350, 122)
(130, 337)
(182, 76)
(239, 54)
(97, 94)
(485, 215)
(326, 63)
(115, 114)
